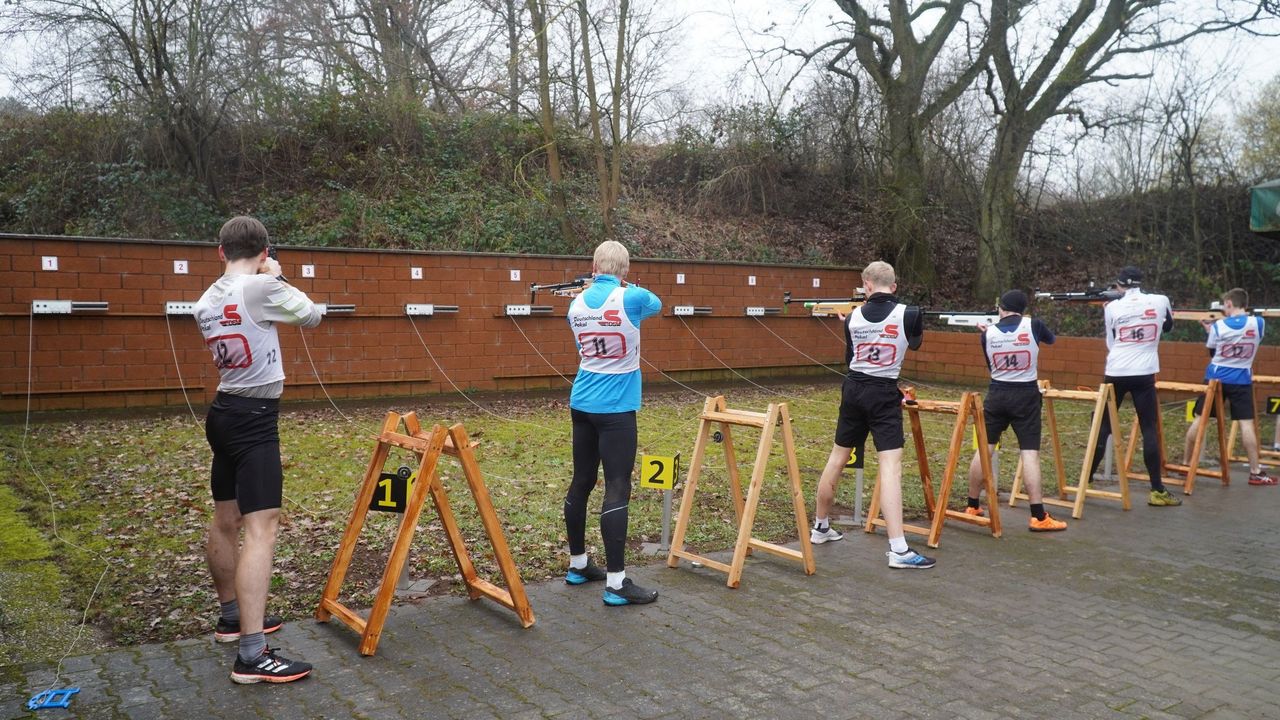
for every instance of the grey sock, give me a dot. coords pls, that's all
(251, 646)
(231, 611)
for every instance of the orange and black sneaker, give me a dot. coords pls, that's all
(1048, 524)
(975, 511)
(269, 667)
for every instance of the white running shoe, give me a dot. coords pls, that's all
(817, 537)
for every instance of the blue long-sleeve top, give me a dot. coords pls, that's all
(605, 392)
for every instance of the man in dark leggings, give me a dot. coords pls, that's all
(237, 316)
(1134, 324)
(605, 319)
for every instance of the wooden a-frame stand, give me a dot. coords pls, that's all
(968, 407)
(1104, 406)
(714, 411)
(1266, 456)
(427, 446)
(1212, 393)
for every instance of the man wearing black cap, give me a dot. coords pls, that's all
(1134, 324)
(1012, 349)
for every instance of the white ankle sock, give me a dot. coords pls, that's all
(614, 579)
(898, 545)
(821, 523)
(577, 562)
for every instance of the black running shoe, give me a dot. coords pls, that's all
(269, 667)
(629, 594)
(590, 573)
(226, 632)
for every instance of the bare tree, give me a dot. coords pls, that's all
(1032, 82)
(538, 10)
(900, 48)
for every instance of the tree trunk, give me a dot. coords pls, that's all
(615, 182)
(593, 108)
(908, 241)
(513, 58)
(997, 230)
(537, 13)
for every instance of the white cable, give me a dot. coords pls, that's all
(173, 348)
(809, 357)
(535, 349)
(53, 512)
(459, 390)
(316, 371)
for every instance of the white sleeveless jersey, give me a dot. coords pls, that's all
(608, 342)
(1134, 323)
(1235, 348)
(879, 349)
(1013, 356)
(246, 354)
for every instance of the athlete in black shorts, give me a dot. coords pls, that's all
(879, 334)
(1012, 350)
(237, 316)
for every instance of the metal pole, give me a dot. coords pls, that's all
(1108, 460)
(666, 521)
(857, 494)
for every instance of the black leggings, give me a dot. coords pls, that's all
(1143, 390)
(608, 438)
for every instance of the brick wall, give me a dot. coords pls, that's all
(124, 357)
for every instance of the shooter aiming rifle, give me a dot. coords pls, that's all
(827, 307)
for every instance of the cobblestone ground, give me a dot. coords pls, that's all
(1156, 613)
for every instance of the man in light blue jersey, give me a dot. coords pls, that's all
(1233, 344)
(605, 319)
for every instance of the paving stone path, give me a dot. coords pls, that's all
(1153, 613)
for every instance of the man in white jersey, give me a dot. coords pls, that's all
(1233, 344)
(879, 333)
(1134, 324)
(605, 320)
(1012, 349)
(237, 316)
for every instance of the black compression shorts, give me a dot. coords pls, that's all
(1238, 397)
(243, 434)
(1018, 407)
(873, 407)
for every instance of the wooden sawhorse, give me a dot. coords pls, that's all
(1266, 456)
(1212, 394)
(427, 446)
(968, 407)
(1104, 406)
(715, 411)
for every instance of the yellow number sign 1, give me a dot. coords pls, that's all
(659, 471)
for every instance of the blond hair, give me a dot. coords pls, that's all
(612, 258)
(878, 274)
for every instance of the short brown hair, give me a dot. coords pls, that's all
(242, 237)
(1237, 297)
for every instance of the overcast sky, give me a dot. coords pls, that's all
(713, 63)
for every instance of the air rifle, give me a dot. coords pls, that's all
(826, 307)
(1215, 313)
(1092, 295)
(569, 288)
(964, 318)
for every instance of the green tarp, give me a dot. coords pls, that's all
(1264, 207)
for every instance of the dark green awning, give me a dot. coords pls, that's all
(1264, 207)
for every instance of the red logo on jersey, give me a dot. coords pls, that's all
(230, 316)
(612, 318)
(1024, 339)
(1149, 313)
(890, 331)
(1250, 333)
